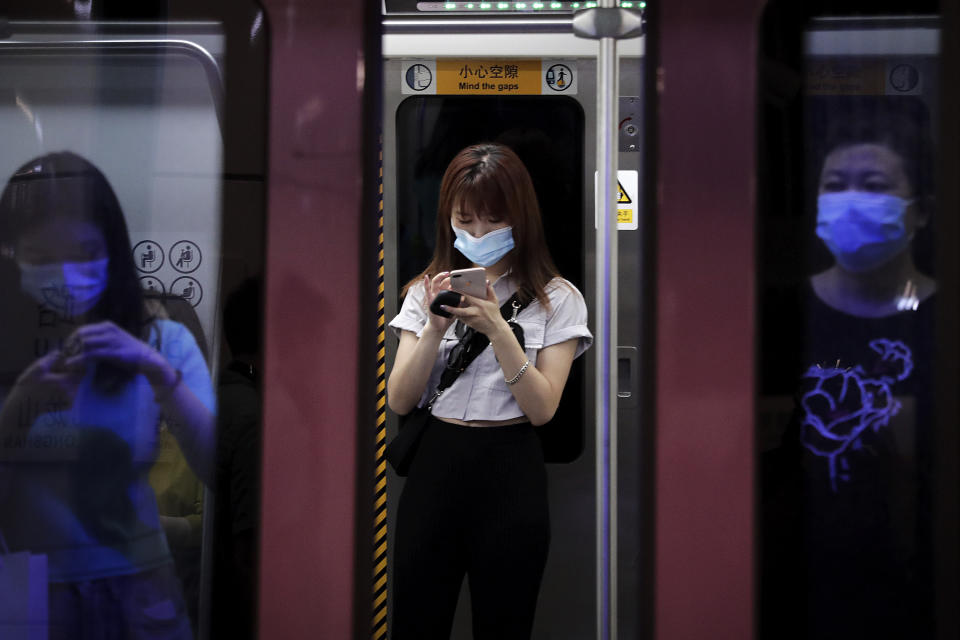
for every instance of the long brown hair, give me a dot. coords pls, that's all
(489, 180)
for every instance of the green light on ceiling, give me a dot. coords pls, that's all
(626, 5)
(450, 5)
(556, 5)
(520, 5)
(503, 5)
(484, 5)
(538, 5)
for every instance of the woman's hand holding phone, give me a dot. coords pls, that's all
(446, 298)
(483, 313)
(48, 380)
(438, 284)
(451, 289)
(472, 282)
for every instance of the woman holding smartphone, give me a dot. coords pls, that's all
(475, 501)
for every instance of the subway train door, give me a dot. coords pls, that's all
(857, 410)
(446, 87)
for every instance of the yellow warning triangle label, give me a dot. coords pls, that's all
(622, 197)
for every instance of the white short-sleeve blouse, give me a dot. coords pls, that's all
(480, 393)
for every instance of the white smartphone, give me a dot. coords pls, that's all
(472, 282)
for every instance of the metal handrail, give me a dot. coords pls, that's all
(607, 24)
(606, 324)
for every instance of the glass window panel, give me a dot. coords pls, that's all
(110, 237)
(847, 411)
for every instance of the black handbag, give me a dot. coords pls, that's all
(401, 451)
(403, 448)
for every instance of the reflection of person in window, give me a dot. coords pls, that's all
(847, 495)
(237, 487)
(868, 211)
(178, 491)
(76, 464)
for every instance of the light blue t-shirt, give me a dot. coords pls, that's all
(79, 489)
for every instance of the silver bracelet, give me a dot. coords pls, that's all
(514, 379)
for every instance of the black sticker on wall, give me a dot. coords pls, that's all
(148, 256)
(188, 289)
(185, 256)
(152, 285)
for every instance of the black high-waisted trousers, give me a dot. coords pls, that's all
(474, 503)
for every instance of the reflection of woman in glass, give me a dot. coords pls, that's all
(848, 539)
(475, 501)
(871, 202)
(86, 375)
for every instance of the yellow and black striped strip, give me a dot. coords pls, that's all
(380, 463)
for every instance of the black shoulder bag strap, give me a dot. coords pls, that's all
(472, 343)
(402, 449)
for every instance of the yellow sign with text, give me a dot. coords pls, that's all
(833, 77)
(495, 77)
(628, 182)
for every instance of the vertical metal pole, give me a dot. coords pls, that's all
(606, 351)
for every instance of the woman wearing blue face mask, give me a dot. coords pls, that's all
(848, 495)
(475, 500)
(868, 211)
(86, 377)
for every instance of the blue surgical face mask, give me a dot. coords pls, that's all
(488, 249)
(71, 288)
(862, 230)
